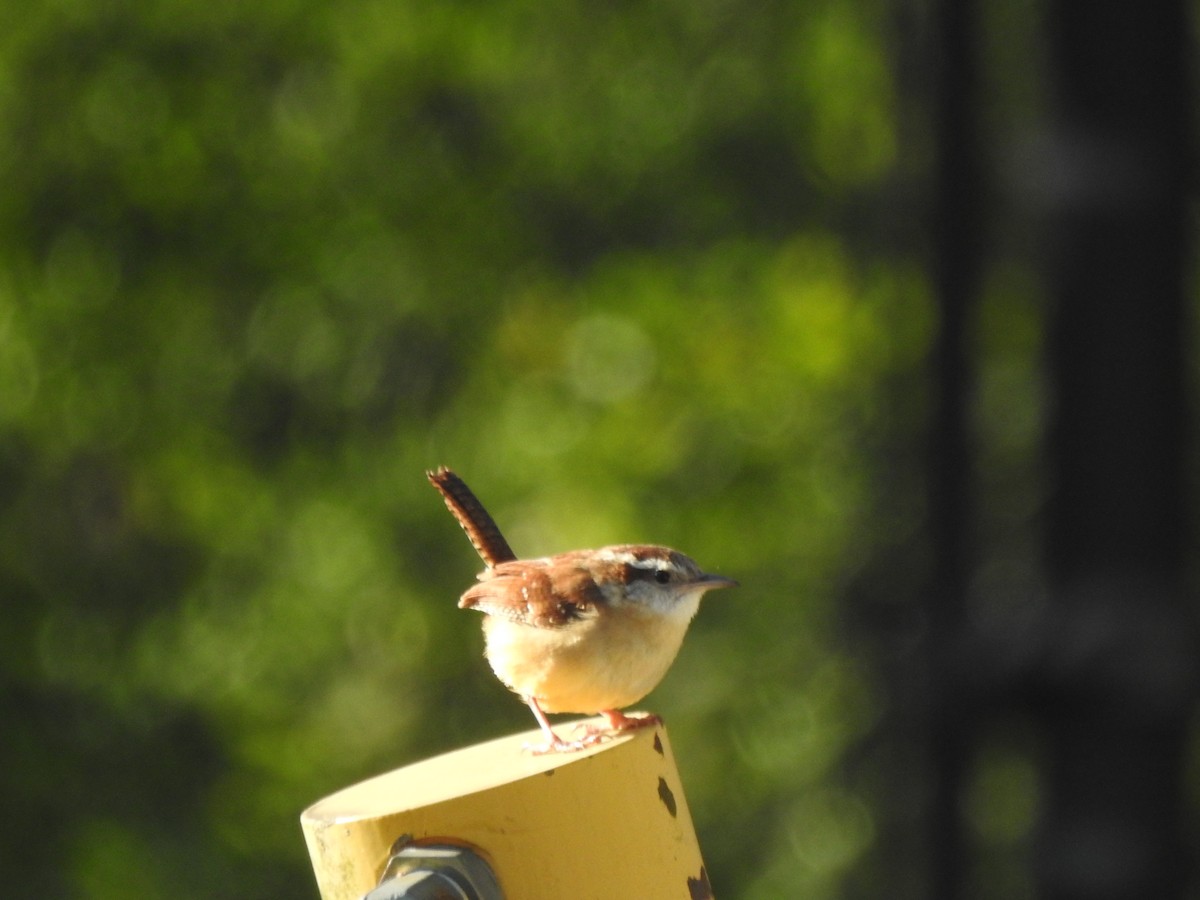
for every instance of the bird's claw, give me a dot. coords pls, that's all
(558, 745)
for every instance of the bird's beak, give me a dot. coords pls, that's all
(712, 582)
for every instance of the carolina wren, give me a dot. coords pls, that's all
(589, 631)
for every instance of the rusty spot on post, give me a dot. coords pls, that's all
(699, 888)
(667, 797)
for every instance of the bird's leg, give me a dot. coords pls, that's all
(554, 744)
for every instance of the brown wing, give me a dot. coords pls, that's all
(539, 592)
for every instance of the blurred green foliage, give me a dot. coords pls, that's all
(627, 267)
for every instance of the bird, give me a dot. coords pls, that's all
(586, 631)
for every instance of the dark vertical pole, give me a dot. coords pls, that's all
(957, 234)
(1118, 689)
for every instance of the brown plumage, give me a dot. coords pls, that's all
(541, 593)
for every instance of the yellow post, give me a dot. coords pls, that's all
(608, 821)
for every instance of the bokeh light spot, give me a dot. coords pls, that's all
(609, 358)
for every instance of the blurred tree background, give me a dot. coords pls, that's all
(639, 272)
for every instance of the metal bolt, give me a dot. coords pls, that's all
(435, 872)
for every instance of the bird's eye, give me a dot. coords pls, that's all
(662, 576)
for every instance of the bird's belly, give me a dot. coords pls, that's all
(588, 666)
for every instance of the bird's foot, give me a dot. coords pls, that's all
(618, 723)
(557, 745)
(553, 743)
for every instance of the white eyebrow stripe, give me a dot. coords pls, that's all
(650, 563)
(623, 556)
